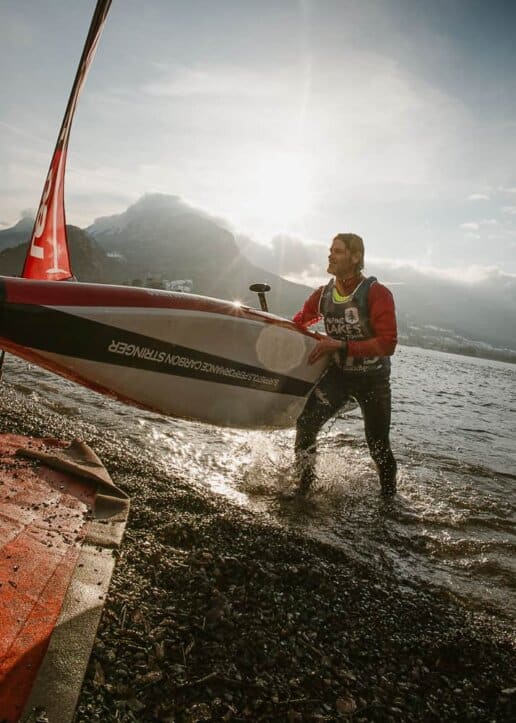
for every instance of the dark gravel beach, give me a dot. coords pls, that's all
(218, 614)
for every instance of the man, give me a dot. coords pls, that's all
(360, 324)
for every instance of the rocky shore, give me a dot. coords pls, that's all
(217, 614)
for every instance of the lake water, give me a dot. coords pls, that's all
(453, 432)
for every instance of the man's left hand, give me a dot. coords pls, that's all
(325, 347)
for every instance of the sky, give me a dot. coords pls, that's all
(394, 119)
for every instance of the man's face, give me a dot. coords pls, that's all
(341, 261)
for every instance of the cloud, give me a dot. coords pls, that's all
(470, 226)
(214, 81)
(472, 274)
(18, 130)
(371, 118)
(511, 210)
(286, 254)
(478, 197)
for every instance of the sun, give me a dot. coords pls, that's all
(275, 191)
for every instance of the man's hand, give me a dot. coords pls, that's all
(325, 347)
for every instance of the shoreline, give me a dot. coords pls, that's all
(215, 613)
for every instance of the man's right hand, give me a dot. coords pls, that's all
(325, 347)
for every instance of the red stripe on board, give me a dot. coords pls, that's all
(43, 522)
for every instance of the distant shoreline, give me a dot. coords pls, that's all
(508, 357)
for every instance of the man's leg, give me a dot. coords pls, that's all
(325, 400)
(375, 401)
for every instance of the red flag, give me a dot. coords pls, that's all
(48, 257)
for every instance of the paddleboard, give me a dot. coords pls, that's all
(182, 355)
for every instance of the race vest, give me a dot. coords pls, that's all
(348, 320)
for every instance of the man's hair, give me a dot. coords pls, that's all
(354, 244)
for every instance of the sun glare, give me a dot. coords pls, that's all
(277, 191)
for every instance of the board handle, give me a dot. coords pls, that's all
(261, 290)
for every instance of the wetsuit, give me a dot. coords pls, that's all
(365, 320)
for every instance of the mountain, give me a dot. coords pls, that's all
(89, 261)
(20, 233)
(438, 306)
(161, 237)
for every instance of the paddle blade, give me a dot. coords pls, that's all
(48, 257)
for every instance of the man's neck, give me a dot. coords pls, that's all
(347, 285)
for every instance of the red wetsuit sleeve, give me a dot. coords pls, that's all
(382, 319)
(309, 314)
